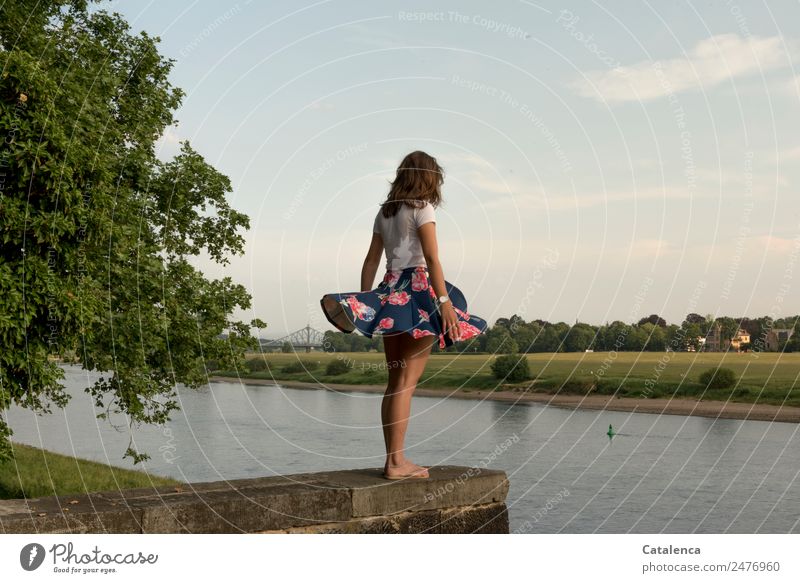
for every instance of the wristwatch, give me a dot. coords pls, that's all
(443, 299)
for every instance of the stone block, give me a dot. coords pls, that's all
(484, 519)
(453, 499)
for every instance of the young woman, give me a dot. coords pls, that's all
(413, 306)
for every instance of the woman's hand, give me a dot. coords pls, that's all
(450, 321)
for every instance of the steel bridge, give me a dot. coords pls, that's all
(306, 338)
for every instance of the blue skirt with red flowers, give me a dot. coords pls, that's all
(403, 302)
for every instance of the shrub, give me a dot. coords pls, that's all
(719, 378)
(511, 368)
(606, 387)
(793, 344)
(370, 372)
(299, 366)
(576, 386)
(256, 365)
(337, 366)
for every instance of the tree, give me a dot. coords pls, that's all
(673, 340)
(636, 339)
(729, 326)
(613, 336)
(525, 336)
(653, 319)
(683, 337)
(334, 341)
(547, 340)
(579, 338)
(655, 337)
(499, 341)
(97, 232)
(694, 318)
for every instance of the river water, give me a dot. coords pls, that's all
(660, 473)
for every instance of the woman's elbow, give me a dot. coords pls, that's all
(432, 261)
(372, 261)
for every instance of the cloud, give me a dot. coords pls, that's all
(170, 136)
(790, 154)
(793, 86)
(774, 244)
(644, 248)
(498, 191)
(166, 146)
(554, 201)
(709, 63)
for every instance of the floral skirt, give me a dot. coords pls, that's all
(403, 302)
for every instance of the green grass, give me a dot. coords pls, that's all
(37, 472)
(764, 377)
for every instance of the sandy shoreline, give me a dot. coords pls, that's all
(716, 409)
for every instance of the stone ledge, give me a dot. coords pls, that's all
(481, 519)
(455, 499)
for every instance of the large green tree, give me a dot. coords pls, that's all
(97, 233)
(579, 338)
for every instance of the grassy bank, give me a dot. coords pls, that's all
(37, 472)
(770, 378)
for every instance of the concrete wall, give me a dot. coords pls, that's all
(454, 499)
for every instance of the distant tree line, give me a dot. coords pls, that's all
(651, 333)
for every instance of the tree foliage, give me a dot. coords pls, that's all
(654, 319)
(511, 368)
(718, 378)
(97, 233)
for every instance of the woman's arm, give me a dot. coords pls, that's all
(371, 262)
(430, 249)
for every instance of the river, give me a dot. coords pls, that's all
(659, 474)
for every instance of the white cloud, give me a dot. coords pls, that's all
(507, 192)
(554, 201)
(774, 244)
(498, 192)
(166, 146)
(170, 136)
(790, 154)
(709, 63)
(794, 85)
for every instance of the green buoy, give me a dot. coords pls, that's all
(610, 431)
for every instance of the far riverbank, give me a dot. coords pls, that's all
(675, 406)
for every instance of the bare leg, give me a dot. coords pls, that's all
(406, 358)
(393, 349)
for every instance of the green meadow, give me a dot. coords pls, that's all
(37, 472)
(764, 377)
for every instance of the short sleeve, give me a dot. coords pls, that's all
(423, 215)
(376, 225)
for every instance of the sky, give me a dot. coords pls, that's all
(603, 161)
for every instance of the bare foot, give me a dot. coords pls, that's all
(404, 469)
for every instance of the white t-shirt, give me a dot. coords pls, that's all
(400, 238)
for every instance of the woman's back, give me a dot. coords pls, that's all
(399, 232)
